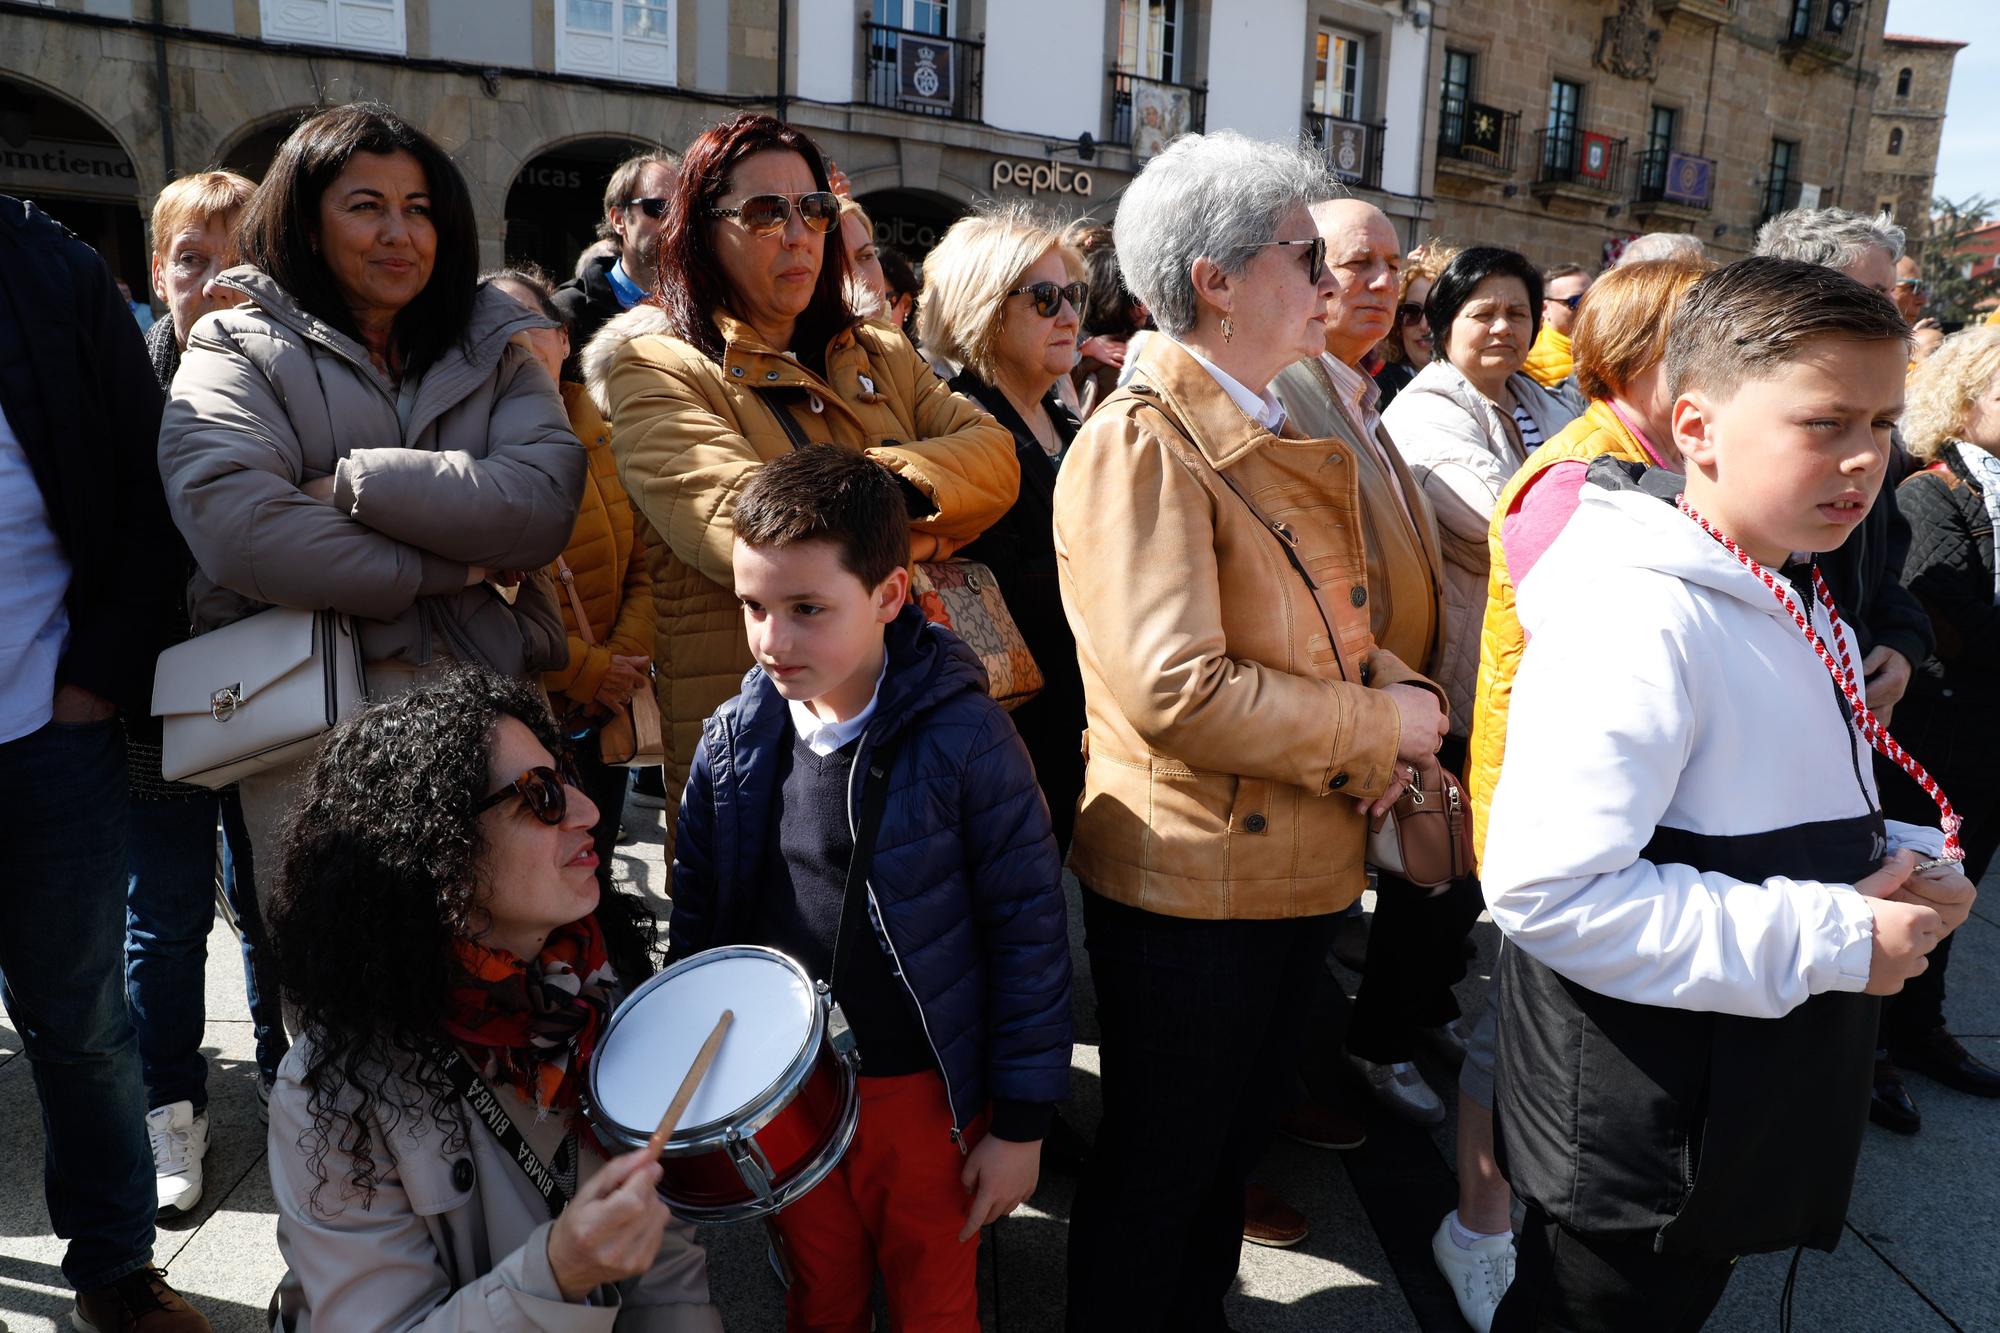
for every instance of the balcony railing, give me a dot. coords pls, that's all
(1780, 197)
(1352, 148)
(1579, 159)
(1481, 135)
(923, 73)
(1681, 179)
(1825, 30)
(1147, 114)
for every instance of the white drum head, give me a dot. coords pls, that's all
(640, 1065)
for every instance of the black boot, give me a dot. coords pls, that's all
(1937, 1054)
(1889, 1105)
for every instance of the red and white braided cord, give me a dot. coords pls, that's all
(1865, 721)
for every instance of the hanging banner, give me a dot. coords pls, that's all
(1161, 113)
(1688, 180)
(1483, 125)
(1593, 160)
(923, 71)
(1347, 149)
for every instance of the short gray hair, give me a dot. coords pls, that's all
(1217, 196)
(1830, 237)
(1655, 245)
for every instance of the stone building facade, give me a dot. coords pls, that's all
(1906, 125)
(1570, 126)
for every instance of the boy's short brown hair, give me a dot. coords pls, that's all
(1746, 320)
(1621, 327)
(822, 492)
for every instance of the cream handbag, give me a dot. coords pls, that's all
(254, 694)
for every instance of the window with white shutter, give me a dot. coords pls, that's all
(362, 25)
(616, 39)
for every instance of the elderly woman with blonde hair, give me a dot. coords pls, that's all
(1002, 299)
(1949, 718)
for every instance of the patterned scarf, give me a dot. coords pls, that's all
(1985, 469)
(533, 1025)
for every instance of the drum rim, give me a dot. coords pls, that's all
(759, 1110)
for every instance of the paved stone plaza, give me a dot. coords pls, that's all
(1921, 1254)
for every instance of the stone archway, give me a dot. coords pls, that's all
(78, 169)
(555, 200)
(250, 151)
(910, 220)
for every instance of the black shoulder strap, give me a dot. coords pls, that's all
(487, 1108)
(775, 400)
(874, 799)
(1191, 458)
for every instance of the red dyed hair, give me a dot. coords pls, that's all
(692, 283)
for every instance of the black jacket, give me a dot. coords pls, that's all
(1020, 549)
(587, 302)
(80, 394)
(1950, 718)
(1862, 575)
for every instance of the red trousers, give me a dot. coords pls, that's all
(894, 1202)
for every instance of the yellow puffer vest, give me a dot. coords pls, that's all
(1550, 361)
(1596, 433)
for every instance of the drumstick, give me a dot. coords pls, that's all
(703, 1058)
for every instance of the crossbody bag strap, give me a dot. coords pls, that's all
(1192, 459)
(774, 399)
(575, 601)
(854, 900)
(486, 1108)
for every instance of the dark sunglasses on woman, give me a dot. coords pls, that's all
(1315, 257)
(766, 214)
(1409, 312)
(654, 208)
(1048, 296)
(544, 790)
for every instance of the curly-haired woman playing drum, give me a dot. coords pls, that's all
(441, 932)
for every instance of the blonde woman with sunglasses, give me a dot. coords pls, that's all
(751, 349)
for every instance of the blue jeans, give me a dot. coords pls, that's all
(170, 908)
(62, 934)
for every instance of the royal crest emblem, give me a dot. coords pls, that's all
(1629, 47)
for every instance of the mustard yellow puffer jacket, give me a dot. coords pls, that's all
(688, 431)
(606, 557)
(1596, 433)
(1551, 360)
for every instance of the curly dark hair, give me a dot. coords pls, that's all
(380, 869)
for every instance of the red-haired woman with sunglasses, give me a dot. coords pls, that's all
(753, 350)
(445, 944)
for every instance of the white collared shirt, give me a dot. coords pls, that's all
(823, 738)
(1264, 408)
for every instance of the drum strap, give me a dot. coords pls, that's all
(874, 798)
(554, 1183)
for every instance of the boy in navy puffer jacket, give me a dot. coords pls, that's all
(956, 978)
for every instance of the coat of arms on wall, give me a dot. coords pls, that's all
(1629, 47)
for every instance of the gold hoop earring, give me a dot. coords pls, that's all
(1228, 329)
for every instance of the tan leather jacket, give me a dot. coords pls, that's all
(1226, 736)
(688, 431)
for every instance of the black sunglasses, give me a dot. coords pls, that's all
(764, 214)
(544, 790)
(655, 208)
(1570, 301)
(1409, 312)
(1048, 296)
(1315, 257)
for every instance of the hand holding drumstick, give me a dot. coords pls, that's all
(613, 1228)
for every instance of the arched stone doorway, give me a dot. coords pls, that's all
(556, 201)
(70, 164)
(252, 154)
(911, 220)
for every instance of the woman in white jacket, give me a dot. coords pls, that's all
(1466, 422)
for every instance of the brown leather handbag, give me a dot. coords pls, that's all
(1425, 838)
(632, 735)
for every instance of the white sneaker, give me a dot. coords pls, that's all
(1479, 1276)
(180, 1141)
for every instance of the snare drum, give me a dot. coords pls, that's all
(777, 1108)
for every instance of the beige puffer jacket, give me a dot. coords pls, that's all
(269, 397)
(688, 432)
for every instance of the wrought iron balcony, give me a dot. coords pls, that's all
(1147, 114)
(924, 73)
(1352, 148)
(1478, 137)
(1573, 160)
(1780, 197)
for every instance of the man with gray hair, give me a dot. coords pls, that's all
(1662, 245)
(1894, 633)
(635, 221)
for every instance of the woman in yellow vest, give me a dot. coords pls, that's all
(1621, 334)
